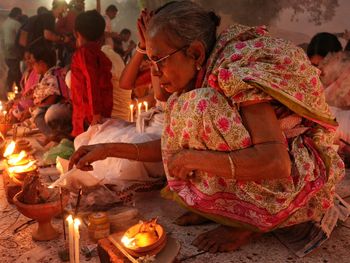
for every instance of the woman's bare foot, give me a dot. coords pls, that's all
(189, 219)
(223, 239)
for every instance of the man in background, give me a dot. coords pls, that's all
(10, 30)
(111, 13)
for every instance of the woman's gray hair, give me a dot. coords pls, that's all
(185, 21)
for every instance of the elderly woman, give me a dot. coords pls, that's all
(247, 139)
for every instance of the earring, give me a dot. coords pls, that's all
(199, 67)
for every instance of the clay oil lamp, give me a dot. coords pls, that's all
(17, 167)
(144, 238)
(40, 203)
(18, 164)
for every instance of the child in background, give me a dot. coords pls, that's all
(91, 79)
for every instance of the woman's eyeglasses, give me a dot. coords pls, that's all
(158, 63)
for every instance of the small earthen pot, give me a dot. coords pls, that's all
(42, 213)
(154, 246)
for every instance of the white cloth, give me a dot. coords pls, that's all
(343, 118)
(73, 179)
(108, 29)
(123, 172)
(336, 79)
(10, 29)
(121, 97)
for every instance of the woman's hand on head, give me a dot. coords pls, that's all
(142, 23)
(85, 155)
(181, 165)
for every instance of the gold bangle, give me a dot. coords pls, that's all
(233, 168)
(138, 151)
(140, 50)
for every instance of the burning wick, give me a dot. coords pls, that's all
(145, 103)
(139, 105)
(17, 159)
(22, 168)
(9, 149)
(128, 242)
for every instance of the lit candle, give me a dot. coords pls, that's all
(76, 239)
(146, 105)
(15, 89)
(139, 109)
(131, 112)
(4, 112)
(71, 238)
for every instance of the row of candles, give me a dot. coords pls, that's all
(139, 109)
(11, 95)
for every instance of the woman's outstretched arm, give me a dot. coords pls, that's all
(144, 152)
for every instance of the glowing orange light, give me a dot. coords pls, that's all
(9, 149)
(23, 168)
(17, 159)
(128, 242)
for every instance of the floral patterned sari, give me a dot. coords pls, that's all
(247, 65)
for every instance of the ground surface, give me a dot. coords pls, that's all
(19, 247)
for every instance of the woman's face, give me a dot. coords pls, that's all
(316, 60)
(28, 60)
(176, 70)
(40, 67)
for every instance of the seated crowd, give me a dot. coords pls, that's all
(240, 125)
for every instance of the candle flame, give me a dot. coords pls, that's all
(77, 222)
(22, 168)
(15, 160)
(128, 242)
(69, 219)
(2, 136)
(145, 103)
(10, 149)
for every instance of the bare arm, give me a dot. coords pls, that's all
(51, 36)
(144, 152)
(268, 158)
(131, 70)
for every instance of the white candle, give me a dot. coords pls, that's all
(139, 109)
(71, 238)
(146, 105)
(131, 112)
(76, 240)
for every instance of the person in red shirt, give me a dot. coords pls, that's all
(91, 80)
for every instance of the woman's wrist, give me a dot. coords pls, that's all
(109, 149)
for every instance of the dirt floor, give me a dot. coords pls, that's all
(19, 247)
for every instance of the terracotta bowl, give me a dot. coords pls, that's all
(155, 246)
(42, 213)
